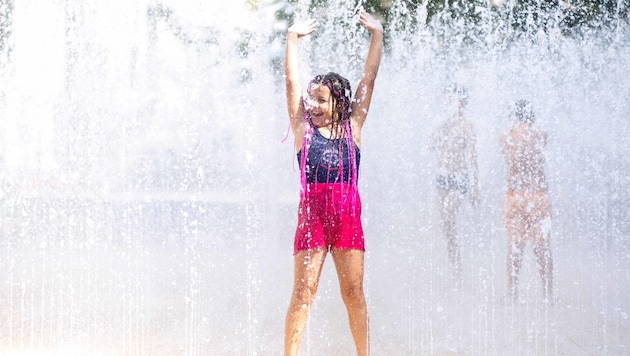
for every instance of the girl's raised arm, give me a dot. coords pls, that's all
(363, 94)
(295, 104)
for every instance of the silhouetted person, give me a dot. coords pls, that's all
(526, 207)
(454, 143)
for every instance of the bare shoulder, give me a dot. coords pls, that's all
(356, 127)
(299, 126)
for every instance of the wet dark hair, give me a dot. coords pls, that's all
(341, 94)
(523, 111)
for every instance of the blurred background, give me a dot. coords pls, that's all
(148, 196)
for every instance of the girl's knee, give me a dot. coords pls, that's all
(304, 294)
(353, 295)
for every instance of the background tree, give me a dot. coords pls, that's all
(574, 17)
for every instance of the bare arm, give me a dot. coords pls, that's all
(363, 95)
(295, 105)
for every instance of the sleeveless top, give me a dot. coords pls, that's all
(329, 160)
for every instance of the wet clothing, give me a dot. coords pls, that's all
(323, 164)
(329, 214)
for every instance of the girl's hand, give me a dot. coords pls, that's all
(305, 28)
(370, 23)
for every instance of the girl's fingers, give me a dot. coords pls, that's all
(369, 22)
(304, 28)
(365, 18)
(310, 23)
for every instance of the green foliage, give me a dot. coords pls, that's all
(572, 16)
(6, 24)
(587, 14)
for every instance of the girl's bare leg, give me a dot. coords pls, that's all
(307, 269)
(349, 265)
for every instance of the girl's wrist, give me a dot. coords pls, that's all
(377, 32)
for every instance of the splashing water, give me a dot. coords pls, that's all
(148, 206)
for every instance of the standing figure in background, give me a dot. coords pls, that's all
(526, 207)
(454, 142)
(327, 127)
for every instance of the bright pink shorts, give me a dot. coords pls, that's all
(329, 215)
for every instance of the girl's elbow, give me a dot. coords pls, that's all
(370, 73)
(369, 79)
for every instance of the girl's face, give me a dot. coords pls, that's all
(320, 105)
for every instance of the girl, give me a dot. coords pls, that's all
(327, 129)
